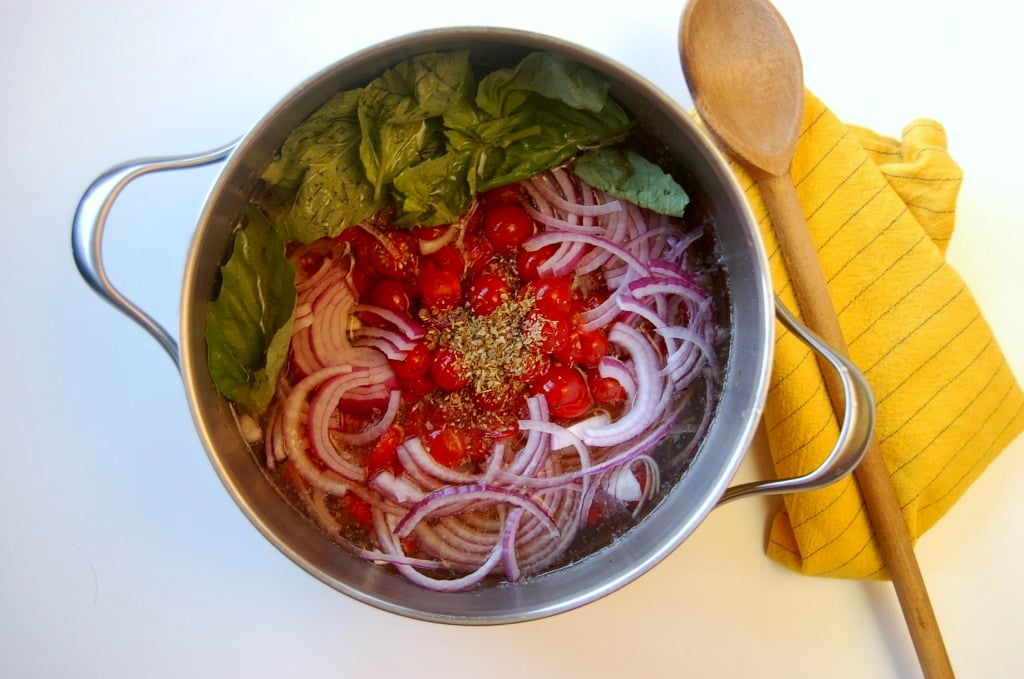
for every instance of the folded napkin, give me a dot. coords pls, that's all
(881, 212)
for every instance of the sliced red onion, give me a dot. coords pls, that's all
(295, 436)
(440, 500)
(377, 428)
(422, 459)
(429, 247)
(399, 489)
(650, 386)
(617, 370)
(508, 546)
(398, 340)
(405, 324)
(322, 405)
(546, 238)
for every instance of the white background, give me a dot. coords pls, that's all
(122, 556)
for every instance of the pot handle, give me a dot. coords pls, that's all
(858, 423)
(91, 216)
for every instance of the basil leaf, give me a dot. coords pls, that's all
(628, 175)
(248, 325)
(400, 114)
(543, 134)
(552, 76)
(435, 192)
(321, 159)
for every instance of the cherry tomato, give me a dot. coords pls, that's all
(486, 293)
(535, 368)
(430, 232)
(569, 352)
(593, 347)
(399, 261)
(553, 330)
(352, 235)
(553, 295)
(504, 428)
(418, 387)
(448, 258)
(359, 509)
(565, 391)
(527, 261)
(390, 294)
(446, 370)
(492, 401)
(581, 305)
(384, 454)
(447, 446)
(507, 226)
(363, 406)
(441, 290)
(363, 278)
(510, 193)
(350, 422)
(478, 252)
(606, 390)
(415, 364)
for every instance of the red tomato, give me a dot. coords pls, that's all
(491, 401)
(507, 226)
(448, 258)
(359, 509)
(363, 278)
(352, 235)
(385, 453)
(486, 293)
(606, 390)
(441, 290)
(415, 364)
(447, 447)
(553, 295)
(553, 330)
(527, 261)
(446, 370)
(399, 261)
(478, 251)
(581, 305)
(565, 391)
(430, 232)
(390, 294)
(510, 193)
(538, 365)
(569, 353)
(593, 347)
(418, 386)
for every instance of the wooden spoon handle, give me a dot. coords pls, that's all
(804, 267)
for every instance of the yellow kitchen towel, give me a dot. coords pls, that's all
(881, 212)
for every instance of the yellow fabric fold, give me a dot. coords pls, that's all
(881, 212)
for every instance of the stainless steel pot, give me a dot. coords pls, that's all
(701, 487)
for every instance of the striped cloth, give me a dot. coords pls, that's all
(881, 212)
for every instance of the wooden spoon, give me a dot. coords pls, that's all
(744, 72)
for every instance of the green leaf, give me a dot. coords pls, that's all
(435, 192)
(248, 325)
(320, 159)
(400, 114)
(628, 175)
(543, 134)
(552, 76)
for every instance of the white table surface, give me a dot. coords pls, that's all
(122, 556)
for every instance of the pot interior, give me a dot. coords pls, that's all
(746, 299)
